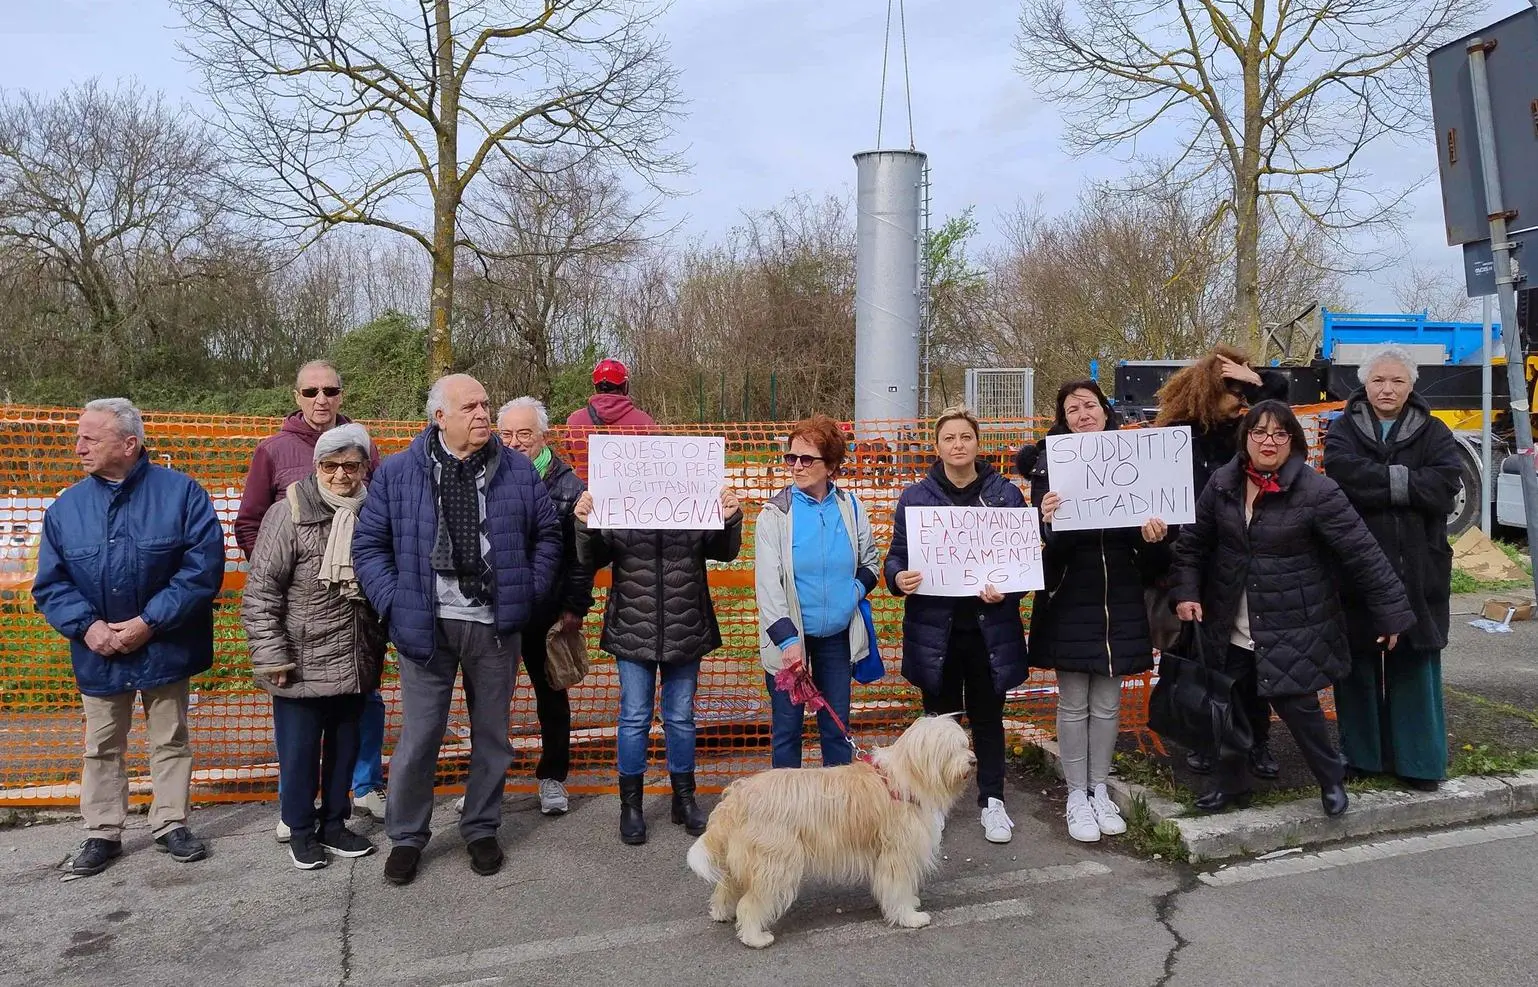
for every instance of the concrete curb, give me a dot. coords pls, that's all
(1303, 822)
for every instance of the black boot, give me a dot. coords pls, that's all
(686, 811)
(632, 824)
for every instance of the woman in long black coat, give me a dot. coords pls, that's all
(1398, 465)
(1090, 624)
(1258, 569)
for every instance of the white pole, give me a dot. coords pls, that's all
(1491, 480)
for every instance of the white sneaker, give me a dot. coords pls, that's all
(1081, 818)
(552, 797)
(459, 805)
(372, 803)
(1107, 815)
(997, 825)
(280, 831)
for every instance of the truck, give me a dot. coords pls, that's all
(1449, 357)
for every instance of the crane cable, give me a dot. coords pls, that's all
(886, 47)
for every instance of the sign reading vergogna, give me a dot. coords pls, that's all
(959, 550)
(656, 481)
(1121, 479)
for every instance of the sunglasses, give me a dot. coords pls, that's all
(805, 462)
(311, 392)
(348, 469)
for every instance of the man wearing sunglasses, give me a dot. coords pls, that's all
(284, 459)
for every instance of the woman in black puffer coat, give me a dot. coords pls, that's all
(962, 652)
(1090, 625)
(659, 619)
(1259, 570)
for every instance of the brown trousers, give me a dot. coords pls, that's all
(104, 777)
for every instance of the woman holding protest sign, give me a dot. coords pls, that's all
(815, 561)
(1260, 569)
(962, 652)
(1210, 397)
(659, 621)
(1090, 624)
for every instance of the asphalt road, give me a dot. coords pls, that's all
(575, 906)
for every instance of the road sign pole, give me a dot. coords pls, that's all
(1491, 485)
(1505, 287)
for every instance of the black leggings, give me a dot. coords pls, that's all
(967, 683)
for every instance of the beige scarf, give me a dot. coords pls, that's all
(336, 561)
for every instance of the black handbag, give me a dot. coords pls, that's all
(1194, 705)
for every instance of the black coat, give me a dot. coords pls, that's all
(659, 602)
(572, 591)
(928, 620)
(1092, 616)
(1404, 488)
(1212, 448)
(1287, 559)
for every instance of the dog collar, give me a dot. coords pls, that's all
(865, 758)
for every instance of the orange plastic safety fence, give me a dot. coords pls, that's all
(230, 719)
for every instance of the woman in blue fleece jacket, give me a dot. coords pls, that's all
(815, 560)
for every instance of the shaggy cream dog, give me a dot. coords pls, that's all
(875, 822)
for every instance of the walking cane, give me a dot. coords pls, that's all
(1385, 733)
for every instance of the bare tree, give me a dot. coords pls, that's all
(374, 113)
(110, 192)
(1278, 99)
(1440, 292)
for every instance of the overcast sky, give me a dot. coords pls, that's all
(782, 93)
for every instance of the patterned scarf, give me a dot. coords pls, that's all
(1264, 482)
(459, 513)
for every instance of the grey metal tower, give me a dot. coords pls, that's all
(889, 242)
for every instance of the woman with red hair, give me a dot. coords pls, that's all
(815, 561)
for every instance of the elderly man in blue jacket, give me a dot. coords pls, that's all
(131, 559)
(457, 546)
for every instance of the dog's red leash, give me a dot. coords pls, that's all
(796, 682)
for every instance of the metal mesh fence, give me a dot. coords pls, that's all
(41, 724)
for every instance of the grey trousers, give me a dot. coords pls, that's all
(490, 669)
(1088, 720)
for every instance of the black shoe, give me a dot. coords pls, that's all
(632, 824)
(401, 865)
(183, 847)
(345, 843)
(1334, 799)
(1199, 762)
(485, 855)
(94, 856)
(1263, 762)
(305, 851)
(1421, 784)
(1218, 800)
(686, 811)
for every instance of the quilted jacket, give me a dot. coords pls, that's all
(1092, 616)
(150, 547)
(572, 590)
(659, 605)
(329, 645)
(927, 620)
(1404, 487)
(1289, 558)
(393, 545)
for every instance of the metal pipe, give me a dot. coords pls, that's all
(1505, 287)
(1491, 484)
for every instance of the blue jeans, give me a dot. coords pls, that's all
(829, 660)
(317, 742)
(637, 703)
(368, 776)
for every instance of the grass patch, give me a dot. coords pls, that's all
(1138, 768)
(1032, 759)
(1462, 582)
(1484, 761)
(1496, 706)
(1158, 840)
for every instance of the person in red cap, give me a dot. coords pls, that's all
(609, 409)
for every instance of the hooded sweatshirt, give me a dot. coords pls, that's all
(280, 460)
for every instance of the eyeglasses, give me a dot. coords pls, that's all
(348, 469)
(329, 392)
(1261, 437)
(522, 435)
(805, 462)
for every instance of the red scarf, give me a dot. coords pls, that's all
(1264, 482)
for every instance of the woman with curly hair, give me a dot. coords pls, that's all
(1211, 397)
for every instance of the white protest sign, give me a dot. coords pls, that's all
(960, 550)
(1121, 479)
(656, 481)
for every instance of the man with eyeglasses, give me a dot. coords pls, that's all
(279, 461)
